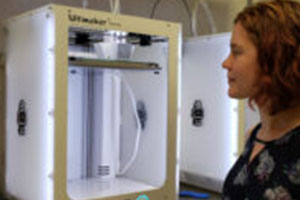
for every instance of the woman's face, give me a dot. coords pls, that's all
(242, 65)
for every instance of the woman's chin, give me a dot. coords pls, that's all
(234, 94)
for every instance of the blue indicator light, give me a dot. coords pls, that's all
(143, 197)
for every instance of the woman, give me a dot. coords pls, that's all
(264, 66)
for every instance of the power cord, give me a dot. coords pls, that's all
(207, 12)
(139, 126)
(118, 75)
(154, 8)
(85, 3)
(115, 6)
(188, 10)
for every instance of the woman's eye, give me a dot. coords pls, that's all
(236, 52)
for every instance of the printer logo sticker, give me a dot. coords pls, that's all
(82, 19)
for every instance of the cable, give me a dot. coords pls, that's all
(208, 14)
(85, 3)
(139, 126)
(189, 13)
(154, 8)
(111, 3)
(185, 5)
(194, 19)
(115, 6)
(249, 2)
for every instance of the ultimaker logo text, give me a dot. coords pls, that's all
(81, 19)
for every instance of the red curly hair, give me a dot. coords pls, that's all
(274, 28)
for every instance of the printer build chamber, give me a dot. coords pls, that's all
(107, 145)
(89, 109)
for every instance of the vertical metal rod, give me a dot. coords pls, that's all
(84, 125)
(90, 122)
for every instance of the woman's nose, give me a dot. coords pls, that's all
(226, 63)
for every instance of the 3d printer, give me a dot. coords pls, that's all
(92, 106)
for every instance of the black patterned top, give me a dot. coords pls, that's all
(274, 174)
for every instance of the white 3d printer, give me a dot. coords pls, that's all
(212, 124)
(92, 104)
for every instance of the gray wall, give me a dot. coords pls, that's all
(223, 12)
(172, 10)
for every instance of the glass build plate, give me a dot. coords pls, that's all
(96, 188)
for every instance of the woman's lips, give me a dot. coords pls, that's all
(230, 80)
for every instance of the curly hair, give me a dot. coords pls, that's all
(274, 28)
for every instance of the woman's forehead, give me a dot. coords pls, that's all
(239, 36)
